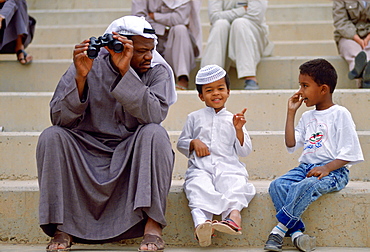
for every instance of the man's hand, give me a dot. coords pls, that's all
(81, 61)
(122, 60)
(199, 147)
(83, 65)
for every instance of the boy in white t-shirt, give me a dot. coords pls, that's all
(216, 182)
(330, 144)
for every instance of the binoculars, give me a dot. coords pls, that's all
(105, 40)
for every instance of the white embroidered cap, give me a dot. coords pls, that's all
(209, 74)
(132, 25)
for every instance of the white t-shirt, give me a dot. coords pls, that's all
(326, 135)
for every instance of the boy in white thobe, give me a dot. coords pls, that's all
(216, 181)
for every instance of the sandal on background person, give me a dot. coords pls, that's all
(26, 59)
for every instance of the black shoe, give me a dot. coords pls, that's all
(305, 243)
(366, 73)
(274, 243)
(365, 84)
(360, 63)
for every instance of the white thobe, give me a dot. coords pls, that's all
(238, 36)
(216, 183)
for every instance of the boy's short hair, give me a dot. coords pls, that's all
(227, 80)
(321, 71)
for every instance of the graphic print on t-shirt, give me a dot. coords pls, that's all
(314, 141)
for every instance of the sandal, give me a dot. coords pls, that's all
(60, 238)
(179, 87)
(152, 239)
(26, 60)
(203, 233)
(227, 226)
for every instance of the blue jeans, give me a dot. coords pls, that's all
(293, 192)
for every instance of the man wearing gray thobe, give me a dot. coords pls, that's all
(238, 37)
(105, 166)
(177, 25)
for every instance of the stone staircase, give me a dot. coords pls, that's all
(300, 31)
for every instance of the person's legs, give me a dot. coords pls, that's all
(245, 49)
(179, 53)
(303, 193)
(216, 49)
(22, 56)
(291, 198)
(161, 161)
(348, 49)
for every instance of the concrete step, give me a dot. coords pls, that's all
(80, 4)
(274, 13)
(279, 31)
(268, 160)
(29, 111)
(94, 16)
(299, 11)
(281, 48)
(333, 226)
(272, 73)
(305, 48)
(129, 248)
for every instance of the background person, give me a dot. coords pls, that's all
(16, 29)
(177, 25)
(352, 36)
(238, 37)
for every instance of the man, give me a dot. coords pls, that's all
(105, 167)
(238, 37)
(177, 25)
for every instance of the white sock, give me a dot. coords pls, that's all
(296, 234)
(279, 229)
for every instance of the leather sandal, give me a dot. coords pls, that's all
(152, 239)
(26, 62)
(60, 238)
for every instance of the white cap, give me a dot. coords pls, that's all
(132, 25)
(209, 74)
